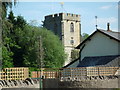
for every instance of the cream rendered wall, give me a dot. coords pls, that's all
(100, 45)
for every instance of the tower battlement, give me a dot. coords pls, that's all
(59, 15)
(64, 16)
(71, 15)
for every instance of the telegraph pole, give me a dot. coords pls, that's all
(40, 58)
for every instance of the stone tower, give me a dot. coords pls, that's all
(67, 27)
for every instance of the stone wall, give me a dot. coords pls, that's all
(91, 82)
(28, 83)
(112, 83)
(50, 83)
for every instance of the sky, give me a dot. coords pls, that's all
(105, 11)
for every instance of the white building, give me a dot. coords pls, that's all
(101, 43)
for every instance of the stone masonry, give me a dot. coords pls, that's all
(67, 26)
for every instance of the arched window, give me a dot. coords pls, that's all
(71, 27)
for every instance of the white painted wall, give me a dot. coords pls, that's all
(99, 45)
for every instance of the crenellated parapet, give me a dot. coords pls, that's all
(63, 16)
(71, 17)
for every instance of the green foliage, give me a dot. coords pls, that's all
(20, 22)
(84, 36)
(53, 48)
(23, 41)
(7, 43)
(5, 6)
(7, 60)
(117, 89)
(74, 54)
(11, 17)
(7, 54)
(54, 55)
(21, 44)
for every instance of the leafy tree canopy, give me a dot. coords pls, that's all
(21, 45)
(84, 36)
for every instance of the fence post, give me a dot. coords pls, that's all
(98, 71)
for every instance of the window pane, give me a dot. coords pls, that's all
(71, 27)
(72, 42)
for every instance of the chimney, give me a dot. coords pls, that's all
(108, 27)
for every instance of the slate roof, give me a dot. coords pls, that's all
(99, 60)
(71, 63)
(111, 34)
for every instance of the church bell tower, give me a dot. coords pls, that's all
(67, 26)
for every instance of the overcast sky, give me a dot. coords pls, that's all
(105, 11)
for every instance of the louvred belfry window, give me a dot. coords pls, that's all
(71, 27)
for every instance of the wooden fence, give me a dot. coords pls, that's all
(101, 71)
(16, 73)
(46, 73)
(88, 71)
(77, 72)
(73, 72)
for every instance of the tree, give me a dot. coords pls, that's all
(54, 55)
(7, 60)
(5, 6)
(11, 52)
(74, 54)
(20, 43)
(7, 43)
(11, 17)
(5, 33)
(54, 50)
(25, 44)
(84, 36)
(18, 28)
(20, 22)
